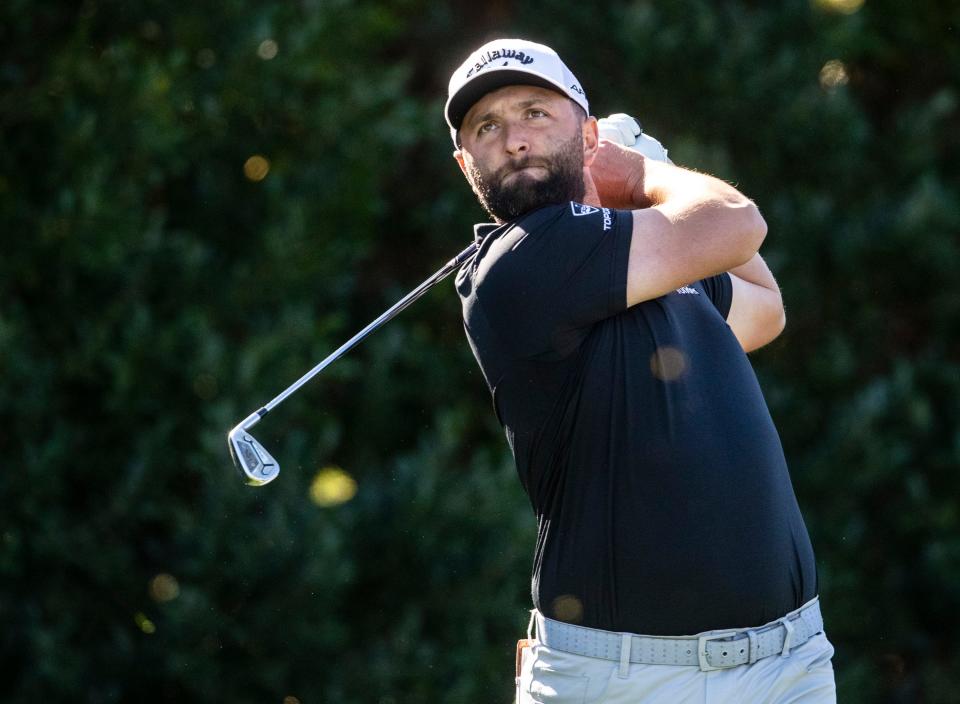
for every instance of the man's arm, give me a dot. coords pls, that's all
(756, 311)
(689, 226)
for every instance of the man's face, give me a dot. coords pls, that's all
(523, 147)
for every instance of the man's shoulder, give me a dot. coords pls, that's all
(544, 238)
(554, 228)
(569, 217)
(575, 216)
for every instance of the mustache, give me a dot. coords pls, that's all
(519, 164)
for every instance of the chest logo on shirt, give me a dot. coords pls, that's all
(579, 210)
(686, 290)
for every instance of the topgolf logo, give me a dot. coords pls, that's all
(579, 210)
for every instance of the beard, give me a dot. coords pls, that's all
(564, 182)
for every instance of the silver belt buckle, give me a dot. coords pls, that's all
(702, 650)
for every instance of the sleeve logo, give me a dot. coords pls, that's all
(579, 210)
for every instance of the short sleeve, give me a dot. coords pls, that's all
(719, 290)
(554, 275)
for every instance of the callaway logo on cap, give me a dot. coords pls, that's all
(505, 62)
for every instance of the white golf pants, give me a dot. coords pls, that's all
(805, 676)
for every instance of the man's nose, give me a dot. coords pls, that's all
(516, 140)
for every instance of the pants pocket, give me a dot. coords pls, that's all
(547, 686)
(823, 654)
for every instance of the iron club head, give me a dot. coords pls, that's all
(256, 465)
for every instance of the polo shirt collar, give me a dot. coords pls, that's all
(482, 229)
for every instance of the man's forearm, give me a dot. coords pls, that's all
(756, 313)
(686, 226)
(657, 183)
(704, 206)
(707, 208)
(756, 272)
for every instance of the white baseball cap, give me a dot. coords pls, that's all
(505, 62)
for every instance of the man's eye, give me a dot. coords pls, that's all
(486, 127)
(536, 112)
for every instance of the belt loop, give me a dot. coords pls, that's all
(531, 624)
(626, 640)
(754, 652)
(788, 638)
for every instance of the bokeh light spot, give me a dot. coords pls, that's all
(844, 7)
(164, 587)
(567, 607)
(290, 699)
(668, 363)
(143, 623)
(331, 487)
(833, 74)
(267, 49)
(256, 167)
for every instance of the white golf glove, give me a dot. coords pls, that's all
(624, 130)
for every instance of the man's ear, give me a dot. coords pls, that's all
(591, 140)
(458, 155)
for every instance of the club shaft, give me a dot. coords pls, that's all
(387, 315)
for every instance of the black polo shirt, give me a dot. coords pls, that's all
(640, 434)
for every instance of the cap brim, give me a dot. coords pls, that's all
(459, 104)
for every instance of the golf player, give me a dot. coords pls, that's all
(610, 307)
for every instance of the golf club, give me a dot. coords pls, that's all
(256, 465)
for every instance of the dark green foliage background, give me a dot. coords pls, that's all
(151, 296)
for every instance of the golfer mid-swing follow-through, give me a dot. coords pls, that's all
(610, 308)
